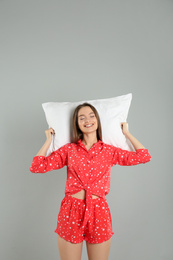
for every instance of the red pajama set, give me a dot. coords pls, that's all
(88, 219)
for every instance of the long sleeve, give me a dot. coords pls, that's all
(56, 160)
(129, 158)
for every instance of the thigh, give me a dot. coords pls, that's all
(70, 217)
(68, 250)
(98, 251)
(99, 226)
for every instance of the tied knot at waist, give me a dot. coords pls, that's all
(89, 202)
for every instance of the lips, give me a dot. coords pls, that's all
(89, 125)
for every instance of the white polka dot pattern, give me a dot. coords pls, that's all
(88, 169)
(70, 221)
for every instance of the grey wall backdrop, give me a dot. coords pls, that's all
(80, 50)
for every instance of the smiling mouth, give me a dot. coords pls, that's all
(87, 126)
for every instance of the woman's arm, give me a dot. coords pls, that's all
(136, 144)
(45, 147)
(56, 160)
(124, 157)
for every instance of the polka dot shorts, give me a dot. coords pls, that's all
(69, 223)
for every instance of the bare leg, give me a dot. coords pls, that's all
(68, 250)
(98, 251)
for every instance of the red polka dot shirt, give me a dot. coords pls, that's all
(88, 169)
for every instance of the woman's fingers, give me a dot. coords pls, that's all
(49, 132)
(124, 127)
(52, 130)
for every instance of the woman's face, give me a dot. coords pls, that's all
(87, 120)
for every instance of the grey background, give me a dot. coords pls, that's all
(80, 50)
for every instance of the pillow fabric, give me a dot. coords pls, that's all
(112, 112)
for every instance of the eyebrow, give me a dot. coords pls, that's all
(89, 114)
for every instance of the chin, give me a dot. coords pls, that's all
(89, 131)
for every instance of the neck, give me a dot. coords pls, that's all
(89, 139)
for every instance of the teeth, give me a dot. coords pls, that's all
(88, 125)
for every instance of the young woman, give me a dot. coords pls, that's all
(84, 213)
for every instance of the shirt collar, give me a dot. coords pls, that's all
(81, 144)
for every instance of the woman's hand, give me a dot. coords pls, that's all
(124, 127)
(49, 132)
(136, 144)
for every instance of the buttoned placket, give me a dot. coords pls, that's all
(88, 186)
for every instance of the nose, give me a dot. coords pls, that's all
(86, 120)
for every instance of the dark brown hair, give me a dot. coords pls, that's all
(77, 133)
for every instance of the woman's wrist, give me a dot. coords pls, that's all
(44, 148)
(136, 144)
(127, 134)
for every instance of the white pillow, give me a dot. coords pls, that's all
(112, 112)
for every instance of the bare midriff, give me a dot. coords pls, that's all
(82, 195)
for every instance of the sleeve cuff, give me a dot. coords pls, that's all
(38, 157)
(142, 149)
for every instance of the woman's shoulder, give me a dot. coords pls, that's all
(65, 148)
(69, 145)
(107, 146)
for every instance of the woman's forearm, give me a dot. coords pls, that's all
(44, 148)
(134, 141)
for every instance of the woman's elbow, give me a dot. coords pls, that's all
(33, 170)
(146, 160)
(36, 170)
(149, 158)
